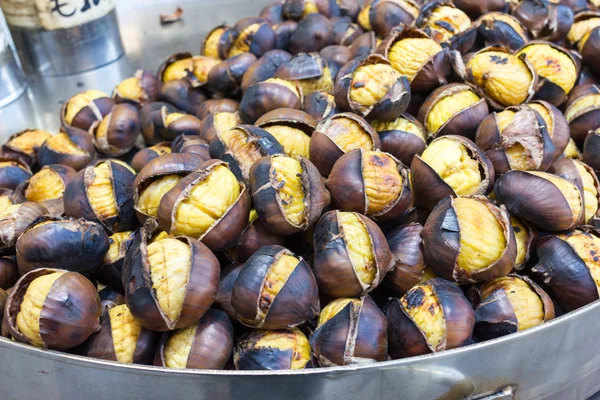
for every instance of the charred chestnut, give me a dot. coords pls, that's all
(446, 23)
(182, 94)
(195, 69)
(151, 117)
(249, 35)
(37, 313)
(309, 71)
(269, 95)
(81, 110)
(588, 47)
(525, 236)
(459, 248)
(72, 147)
(225, 79)
(213, 43)
(140, 89)
(582, 111)
(292, 129)
(177, 124)
(272, 350)
(9, 274)
(546, 20)
(25, 144)
(215, 105)
(320, 105)
(349, 332)
(217, 124)
(118, 131)
(403, 138)
(13, 172)
(14, 220)
(500, 29)
(431, 317)
(384, 15)
(265, 67)
(313, 33)
(144, 156)
(170, 282)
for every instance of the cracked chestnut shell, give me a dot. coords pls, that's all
(556, 123)
(469, 239)
(285, 349)
(207, 344)
(218, 123)
(255, 235)
(14, 220)
(313, 33)
(265, 67)
(568, 268)
(431, 317)
(214, 41)
(292, 129)
(297, 9)
(582, 111)
(72, 244)
(382, 16)
(215, 105)
(372, 183)
(144, 156)
(9, 274)
(111, 272)
(143, 87)
(421, 59)
(336, 56)
(350, 332)
(547, 201)
(403, 138)
(118, 131)
(370, 87)
(13, 172)
(591, 150)
(320, 105)
(52, 309)
(209, 204)
(309, 71)
(177, 124)
(345, 30)
(121, 338)
(453, 109)
(194, 69)
(269, 95)
(248, 35)
(546, 20)
(589, 44)
(191, 144)
(243, 145)
(25, 144)
(182, 94)
(81, 110)
(498, 28)
(9, 197)
(151, 117)
(283, 33)
(364, 45)
(510, 304)
(225, 79)
(103, 194)
(275, 289)
(73, 147)
(526, 236)
(516, 139)
(170, 282)
(352, 255)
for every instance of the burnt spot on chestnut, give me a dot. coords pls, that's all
(446, 23)
(292, 129)
(25, 144)
(309, 71)
(498, 28)
(81, 110)
(403, 138)
(118, 131)
(14, 220)
(273, 350)
(144, 156)
(264, 68)
(269, 95)
(313, 33)
(139, 89)
(320, 105)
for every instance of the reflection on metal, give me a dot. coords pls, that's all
(12, 80)
(505, 393)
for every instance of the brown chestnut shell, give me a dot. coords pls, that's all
(586, 119)
(15, 222)
(312, 33)
(265, 67)
(492, 29)
(385, 15)
(266, 96)
(150, 87)
(406, 246)
(320, 105)
(545, 20)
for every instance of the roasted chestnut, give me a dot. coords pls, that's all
(275, 289)
(475, 8)
(273, 350)
(9, 197)
(371, 88)
(292, 129)
(144, 156)
(182, 94)
(13, 172)
(53, 309)
(49, 183)
(384, 15)
(207, 344)
(14, 220)
(516, 139)
(111, 272)
(215, 105)
(297, 9)
(225, 79)
(229, 275)
(372, 183)
(403, 138)
(218, 124)
(547, 201)
(269, 95)
(121, 338)
(320, 105)
(591, 150)
(545, 19)
(453, 109)
(572, 151)
(265, 67)
(208, 204)
(190, 144)
(556, 123)
(118, 131)
(500, 29)
(81, 110)
(582, 111)
(25, 144)
(73, 147)
(170, 282)
(525, 236)
(431, 317)
(349, 8)
(313, 33)
(254, 236)
(511, 304)
(309, 71)
(352, 255)
(283, 33)
(9, 274)
(588, 47)
(345, 30)
(213, 43)
(364, 45)
(74, 245)
(140, 89)
(350, 332)
(249, 35)
(195, 69)
(336, 56)
(584, 22)
(469, 239)
(151, 116)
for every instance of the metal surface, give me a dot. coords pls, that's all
(12, 79)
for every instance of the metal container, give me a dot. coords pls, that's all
(12, 79)
(558, 360)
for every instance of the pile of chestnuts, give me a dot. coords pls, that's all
(330, 183)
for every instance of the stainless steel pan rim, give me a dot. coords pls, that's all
(583, 312)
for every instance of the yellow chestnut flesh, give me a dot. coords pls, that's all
(178, 347)
(572, 151)
(358, 244)
(29, 141)
(206, 203)
(590, 193)
(521, 236)
(333, 308)
(79, 102)
(242, 147)
(552, 64)
(579, 29)
(507, 19)
(324, 83)
(28, 318)
(409, 55)
(293, 340)
(5, 203)
(290, 85)
(581, 105)
(383, 183)
(294, 141)
(161, 149)
(447, 107)
(242, 43)
(287, 173)
(428, 274)
(456, 20)
(482, 240)
(587, 247)
(370, 83)
(400, 124)
(47, 184)
(172, 118)
(100, 192)
(151, 196)
(211, 45)
(130, 88)
(178, 70)
(568, 189)
(453, 163)
(363, 18)
(225, 121)
(423, 307)
(62, 144)
(125, 333)
(277, 276)
(348, 135)
(170, 265)
(115, 241)
(4, 164)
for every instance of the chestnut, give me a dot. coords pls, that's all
(292, 129)
(252, 35)
(352, 255)
(181, 94)
(177, 123)
(556, 124)
(269, 95)
(72, 147)
(264, 68)
(582, 111)
(121, 338)
(349, 8)
(225, 79)
(588, 47)
(140, 89)
(364, 45)
(255, 235)
(546, 20)
(567, 266)
(431, 317)
(584, 22)
(525, 236)
(500, 29)
(14, 220)
(453, 109)
(190, 144)
(572, 151)
(49, 183)
(151, 117)
(103, 194)
(273, 13)
(363, 18)
(320, 105)
(207, 344)
(81, 110)
(158, 177)
(547, 201)
(516, 139)
(371, 88)
(384, 15)
(511, 304)
(25, 144)
(372, 183)
(458, 247)
(229, 275)
(9, 197)
(283, 33)
(209, 204)
(72, 244)
(13, 172)
(195, 69)
(215, 105)
(502, 78)
(241, 146)
(413, 54)
(272, 350)
(275, 289)
(313, 33)
(309, 71)
(118, 131)
(591, 150)
(350, 332)
(445, 23)
(297, 9)
(9, 274)
(336, 56)
(144, 156)
(111, 272)
(215, 40)
(345, 30)
(403, 138)
(217, 124)
(53, 309)
(475, 8)
(170, 282)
